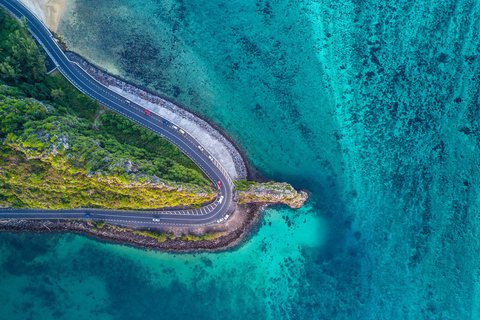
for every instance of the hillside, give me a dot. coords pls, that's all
(60, 149)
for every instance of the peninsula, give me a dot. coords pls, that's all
(52, 131)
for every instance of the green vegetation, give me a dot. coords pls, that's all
(127, 133)
(100, 224)
(96, 224)
(70, 143)
(58, 151)
(269, 192)
(161, 237)
(60, 41)
(19, 58)
(208, 236)
(36, 184)
(243, 185)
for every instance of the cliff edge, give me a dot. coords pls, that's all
(270, 193)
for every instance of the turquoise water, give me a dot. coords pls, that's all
(72, 277)
(371, 105)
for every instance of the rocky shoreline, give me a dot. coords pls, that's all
(215, 133)
(111, 234)
(231, 233)
(270, 193)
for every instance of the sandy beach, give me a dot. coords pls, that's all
(49, 11)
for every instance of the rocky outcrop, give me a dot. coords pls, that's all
(270, 193)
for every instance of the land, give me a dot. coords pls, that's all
(63, 150)
(212, 238)
(213, 138)
(269, 193)
(48, 11)
(55, 155)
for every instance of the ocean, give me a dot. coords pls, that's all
(373, 106)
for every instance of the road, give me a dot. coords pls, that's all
(119, 104)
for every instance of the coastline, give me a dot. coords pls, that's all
(213, 138)
(232, 240)
(48, 11)
(235, 234)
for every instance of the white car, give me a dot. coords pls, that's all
(210, 157)
(156, 220)
(175, 127)
(200, 147)
(181, 131)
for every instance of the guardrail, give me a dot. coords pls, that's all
(215, 162)
(188, 135)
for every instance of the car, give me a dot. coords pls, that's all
(147, 112)
(127, 101)
(165, 121)
(181, 131)
(200, 147)
(210, 157)
(87, 215)
(220, 199)
(156, 219)
(219, 183)
(175, 127)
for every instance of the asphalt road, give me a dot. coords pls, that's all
(119, 104)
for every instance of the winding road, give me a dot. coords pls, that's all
(214, 212)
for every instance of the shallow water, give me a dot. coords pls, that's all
(72, 277)
(371, 105)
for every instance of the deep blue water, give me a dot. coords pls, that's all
(371, 105)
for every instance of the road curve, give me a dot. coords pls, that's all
(210, 214)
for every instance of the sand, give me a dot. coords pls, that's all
(49, 11)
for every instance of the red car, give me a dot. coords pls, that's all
(147, 112)
(219, 184)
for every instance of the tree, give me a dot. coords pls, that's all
(7, 72)
(57, 94)
(23, 58)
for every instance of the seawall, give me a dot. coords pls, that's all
(245, 226)
(214, 141)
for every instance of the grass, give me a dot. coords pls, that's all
(104, 166)
(207, 236)
(244, 185)
(36, 184)
(161, 237)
